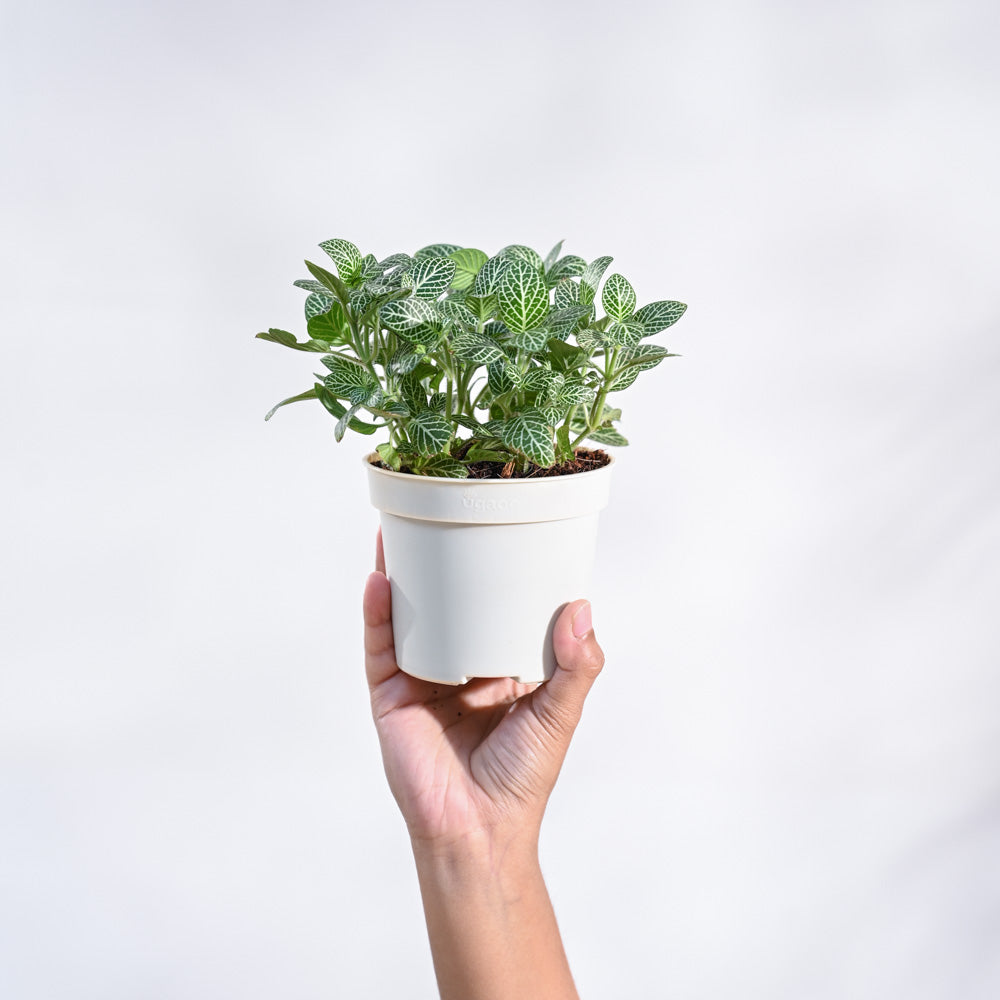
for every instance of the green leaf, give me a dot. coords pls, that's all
(645, 357)
(429, 432)
(539, 379)
(520, 252)
(566, 355)
(318, 303)
(591, 278)
(370, 267)
(467, 265)
(502, 377)
(430, 277)
(349, 379)
(346, 256)
(287, 339)
(308, 394)
(342, 424)
(312, 286)
(441, 466)
(591, 339)
(562, 322)
(624, 379)
(389, 456)
(575, 392)
(532, 341)
(407, 315)
(481, 453)
(623, 334)
(413, 391)
(404, 361)
(438, 402)
(337, 409)
(566, 294)
(331, 326)
(522, 296)
(618, 298)
(475, 348)
(569, 267)
(552, 256)
(657, 316)
(608, 435)
(331, 281)
(436, 250)
(483, 306)
(531, 434)
(396, 262)
(488, 279)
(457, 312)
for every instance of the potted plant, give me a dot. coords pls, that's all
(487, 375)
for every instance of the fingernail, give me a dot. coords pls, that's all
(582, 621)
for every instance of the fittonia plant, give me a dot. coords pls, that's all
(465, 358)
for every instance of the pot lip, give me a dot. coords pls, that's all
(467, 483)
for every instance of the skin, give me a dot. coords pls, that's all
(471, 769)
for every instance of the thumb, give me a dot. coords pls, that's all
(579, 660)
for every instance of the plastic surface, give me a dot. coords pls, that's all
(480, 569)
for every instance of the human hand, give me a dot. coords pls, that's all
(480, 759)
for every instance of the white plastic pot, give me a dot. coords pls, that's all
(481, 568)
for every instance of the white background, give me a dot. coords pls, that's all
(786, 782)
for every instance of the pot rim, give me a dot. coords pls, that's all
(466, 483)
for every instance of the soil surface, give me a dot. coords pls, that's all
(586, 459)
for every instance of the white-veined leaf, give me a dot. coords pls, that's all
(341, 429)
(521, 252)
(618, 297)
(436, 250)
(503, 377)
(467, 264)
(554, 413)
(438, 402)
(405, 315)
(349, 379)
(569, 267)
(608, 435)
(430, 277)
(657, 316)
(404, 361)
(457, 312)
(590, 338)
(624, 379)
(522, 297)
(623, 334)
(645, 357)
(531, 434)
(346, 256)
(566, 294)
(318, 303)
(476, 348)
(591, 278)
(441, 466)
(370, 267)
(562, 322)
(484, 306)
(575, 392)
(311, 286)
(429, 432)
(532, 341)
(539, 379)
(488, 277)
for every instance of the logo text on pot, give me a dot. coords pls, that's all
(481, 505)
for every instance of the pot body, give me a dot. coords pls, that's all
(481, 569)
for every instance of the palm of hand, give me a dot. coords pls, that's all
(461, 760)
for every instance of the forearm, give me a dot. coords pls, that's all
(492, 929)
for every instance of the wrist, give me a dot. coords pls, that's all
(479, 853)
